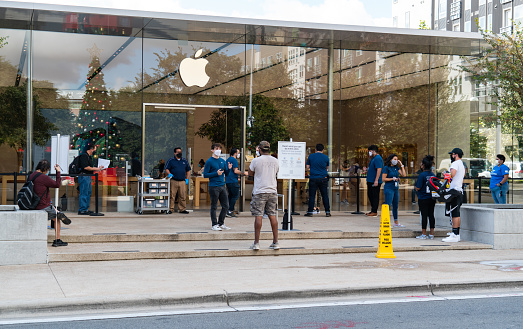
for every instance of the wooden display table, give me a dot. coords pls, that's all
(198, 180)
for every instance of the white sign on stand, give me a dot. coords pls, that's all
(60, 153)
(291, 158)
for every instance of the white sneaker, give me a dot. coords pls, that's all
(422, 237)
(451, 238)
(223, 227)
(398, 225)
(431, 237)
(274, 246)
(449, 233)
(255, 246)
(216, 228)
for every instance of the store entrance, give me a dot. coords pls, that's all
(166, 126)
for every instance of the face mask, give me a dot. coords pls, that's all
(179, 155)
(370, 153)
(217, 152)
(499, 162)
(257, 153)
(394, 162)
(238, 155)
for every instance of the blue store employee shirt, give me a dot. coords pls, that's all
(319, 163)
(211, 167)
(375, 163)
(178, 168)
(421, 183)
(232, 177)
(497, 173)
(391, 171)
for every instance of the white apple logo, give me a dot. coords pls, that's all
(192, 71)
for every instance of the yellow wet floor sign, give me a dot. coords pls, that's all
(385, 246)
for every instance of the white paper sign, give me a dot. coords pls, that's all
(62, 153)
(291, 158)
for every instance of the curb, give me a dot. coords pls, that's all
(57, 307)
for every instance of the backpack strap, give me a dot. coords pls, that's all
(34, 178)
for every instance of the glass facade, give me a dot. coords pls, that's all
(347, 89)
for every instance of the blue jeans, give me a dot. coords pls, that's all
(85, 193)
(392, 198)
(500, 193)
(233, 190)
(321, 184)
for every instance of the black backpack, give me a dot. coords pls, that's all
(26, 197)
(74, 167)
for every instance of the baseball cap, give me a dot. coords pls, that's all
(457, 151)
(265, 146)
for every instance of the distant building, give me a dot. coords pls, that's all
(410, 13)
(497, 16)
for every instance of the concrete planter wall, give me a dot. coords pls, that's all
(23, 236)
(500, 225)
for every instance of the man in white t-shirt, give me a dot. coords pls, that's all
(264, 194)
(453, 205)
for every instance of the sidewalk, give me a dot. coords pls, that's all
(119, 285)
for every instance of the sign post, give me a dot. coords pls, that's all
(291, 160)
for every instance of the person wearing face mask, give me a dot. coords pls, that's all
(42, 183)
(391, 176)
(178, 170)
(374, 180)
(216, 169)
(498, 180)
(453, 205)
(425, 202)
(231, 180)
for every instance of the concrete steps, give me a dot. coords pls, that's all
(230, 235)
(81, 252)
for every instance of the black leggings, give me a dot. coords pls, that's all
(426, 208)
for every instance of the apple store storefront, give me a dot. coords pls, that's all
(139, 84)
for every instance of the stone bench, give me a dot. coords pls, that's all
(23, 236)
(500, 225)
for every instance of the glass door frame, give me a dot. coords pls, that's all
(243, 110)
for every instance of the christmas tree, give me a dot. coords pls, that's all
(94, 122)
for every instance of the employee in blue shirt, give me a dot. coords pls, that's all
(178, 169)
(391, 176)
(318, 165)
(231, 180)
(374, 180)
(216, 169)
(498, 180)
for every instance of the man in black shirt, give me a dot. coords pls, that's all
(86, 163)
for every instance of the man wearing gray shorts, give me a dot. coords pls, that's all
(264, 194)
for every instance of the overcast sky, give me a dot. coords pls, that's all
(351, 12)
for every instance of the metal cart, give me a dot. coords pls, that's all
(153, 195)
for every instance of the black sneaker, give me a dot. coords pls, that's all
(59, 243)
(184, 212)
(169, 212)
(308, 214)
(86, 213)
(328, 214)
(61, 216)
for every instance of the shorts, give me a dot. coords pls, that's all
(264, 203)
(453, 206)
(51, 213)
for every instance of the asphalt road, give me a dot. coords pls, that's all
(498, 312)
